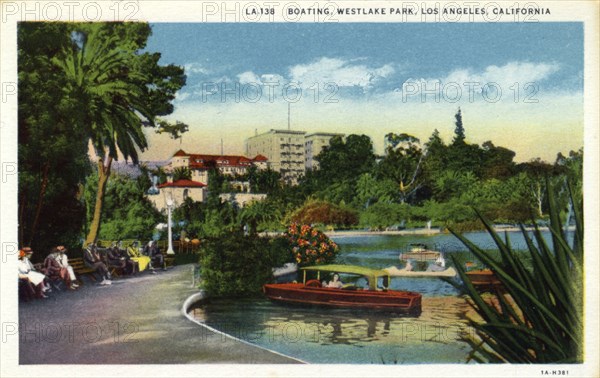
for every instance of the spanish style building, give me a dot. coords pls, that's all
(229, 165)
(178, 191)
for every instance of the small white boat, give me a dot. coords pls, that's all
(395, 272)
(420, 252)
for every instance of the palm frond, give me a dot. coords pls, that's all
(538, 316)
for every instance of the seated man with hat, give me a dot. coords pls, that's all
(57, 266)
(92, 259)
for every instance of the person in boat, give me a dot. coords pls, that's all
(409, 267)
(438, 266)
(335, 282)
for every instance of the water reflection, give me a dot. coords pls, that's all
(342, 336)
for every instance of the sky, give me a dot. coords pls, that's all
(519, 85)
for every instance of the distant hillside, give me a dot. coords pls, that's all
(133, 171)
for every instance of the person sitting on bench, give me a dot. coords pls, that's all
(156, 257)
(64, 261)
(92, 260)
(116, 260)
(134, 254)
(56, 269)
(131, 266)
(28, 272)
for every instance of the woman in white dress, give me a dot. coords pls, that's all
(27, 271)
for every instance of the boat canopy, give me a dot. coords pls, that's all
(371, 274)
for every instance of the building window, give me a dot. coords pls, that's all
(185, 194)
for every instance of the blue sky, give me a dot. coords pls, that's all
(370, 64)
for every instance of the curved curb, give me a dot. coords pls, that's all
(197, 297)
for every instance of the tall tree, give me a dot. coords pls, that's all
(115, 90)
(537, 171)
(497, 161)
(52, 155)
(403, 164)
(462, 156)
(459, 130)
(346, 159)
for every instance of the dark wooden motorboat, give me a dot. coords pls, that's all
(312, 292)
(484, 279)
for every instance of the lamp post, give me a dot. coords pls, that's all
(170, 204)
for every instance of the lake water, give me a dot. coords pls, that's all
(341, 336)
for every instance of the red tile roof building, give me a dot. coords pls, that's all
(182, 184)
(200, 164)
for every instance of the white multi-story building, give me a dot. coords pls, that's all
(284, 150)
(313, 145)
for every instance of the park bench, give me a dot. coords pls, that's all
(81, 269)
(169, 260)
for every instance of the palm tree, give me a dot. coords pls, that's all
(182, 173)
(109, 87)
(259, 212)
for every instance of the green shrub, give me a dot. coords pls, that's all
(318, 211)
(235, 265)
(381, 214)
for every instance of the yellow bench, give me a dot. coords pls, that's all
(81, 269)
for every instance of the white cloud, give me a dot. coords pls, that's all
(343, 73)
(248, 77)
(509, 82)
(195, 69)
(181, 96)
(506, 75)
(272, 78)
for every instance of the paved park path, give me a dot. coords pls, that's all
(135, 320)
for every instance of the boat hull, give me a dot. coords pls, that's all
(404, 302)
(484, 280)
(395, 272)
(421, 256)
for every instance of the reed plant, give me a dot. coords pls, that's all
(537, 315)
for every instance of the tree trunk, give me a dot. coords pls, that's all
(22, 204)
(103, 174)
(539, 199)
(38, 210)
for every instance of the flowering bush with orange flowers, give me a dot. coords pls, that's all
(310, 246)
